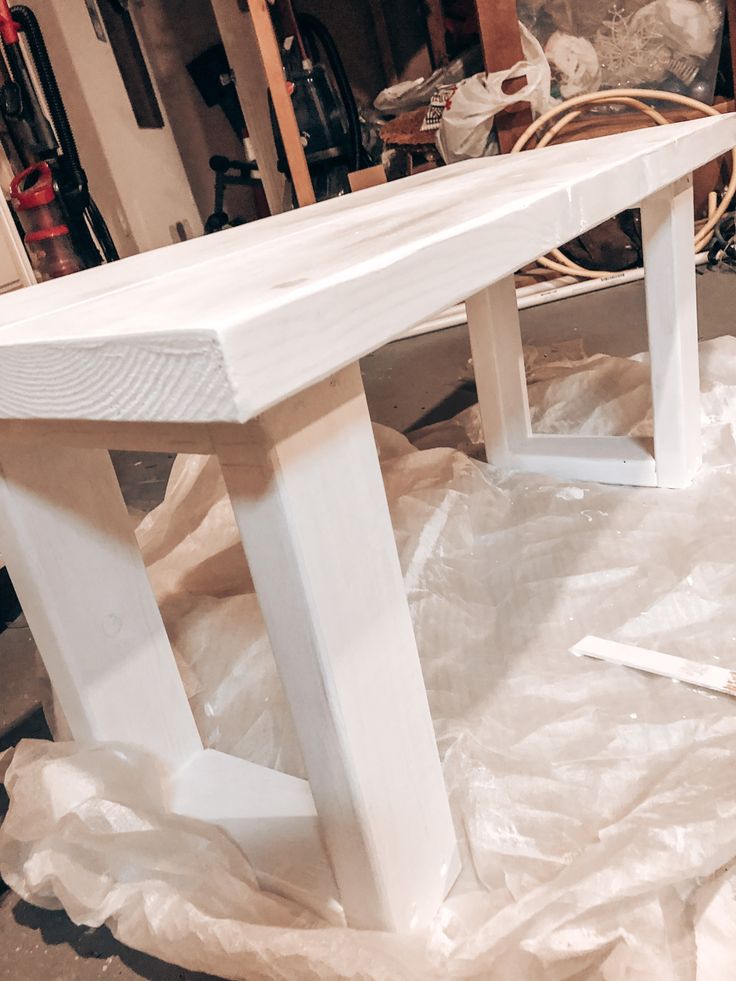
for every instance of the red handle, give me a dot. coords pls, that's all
(8, 27)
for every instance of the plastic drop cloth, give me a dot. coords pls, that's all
(595, 805)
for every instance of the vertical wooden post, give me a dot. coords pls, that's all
(501, 42)
(282, 104)
(241, 46)
(384, 41)
(672, 323)
(498, 360)
(308, 497)
(75, 564)
(436, 32)
(730, 26)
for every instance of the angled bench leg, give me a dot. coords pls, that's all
(672, 320)
(498, 360)
(74, 561)
(673, 457)
(306, 488)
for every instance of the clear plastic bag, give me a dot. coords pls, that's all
(405, 96)
(672, 45)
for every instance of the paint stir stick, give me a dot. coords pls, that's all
(666, 665)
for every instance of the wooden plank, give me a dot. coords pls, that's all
(282, 104)
(308, 497)
(67, 540)
(501, 41)
(229, 325)
(498, 362)
(241, 46)
(271, 816)
(163, 437)
(594, 125)
(436, 32)
(383, 39)
(672, 324)
(604, 459)
(708, 676)
(359, 180)
(731, 30)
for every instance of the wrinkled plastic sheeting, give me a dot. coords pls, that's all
(595, 805)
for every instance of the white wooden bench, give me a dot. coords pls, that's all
(245, 345)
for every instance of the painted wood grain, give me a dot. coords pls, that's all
(672, 325)
(236, 322)
(308, 497)
(271, 816)
(68, 544)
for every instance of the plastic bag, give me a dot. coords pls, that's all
(672, 45)
(466, 129)
(405, 96)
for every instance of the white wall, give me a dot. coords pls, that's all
(136, 176)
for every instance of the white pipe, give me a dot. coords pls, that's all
(535, 296)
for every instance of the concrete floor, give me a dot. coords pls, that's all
(408, 384)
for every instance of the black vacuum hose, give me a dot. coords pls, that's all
(28, 23)
(88, 210)
(309, 25)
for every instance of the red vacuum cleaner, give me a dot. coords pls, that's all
(47, 237)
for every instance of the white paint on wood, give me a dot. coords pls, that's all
(289, 300)
(189, 372)
(308, 497)
(654, 662)
(271, 816)
(66, 538)
(672, 322)
(498, 362)
(605, 459)
(231, 344)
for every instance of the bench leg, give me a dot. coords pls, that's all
(74, 560)
(498, 360)
(672, 320)
(673, 457)
(306, 489)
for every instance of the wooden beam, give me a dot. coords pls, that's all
(288, 302)
(384, 41)
(242, 50)
(80, 578)
(359, 180)
(672, 325)
(306, 489)
(282, 105)
(731, 28)
(436, 32)
(501, 42)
